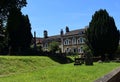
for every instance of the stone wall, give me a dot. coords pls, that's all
(113, 76)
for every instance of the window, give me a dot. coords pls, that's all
(67, 50)
(80, 40)
(80, 50)
(74, 50)
(46, 45)
(67, 42)
(74, 41)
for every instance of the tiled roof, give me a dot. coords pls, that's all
(58, 37)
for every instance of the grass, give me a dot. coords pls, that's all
(44, 69)
(18, 64)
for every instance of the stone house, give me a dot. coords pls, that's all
(73, 41)
(70, 41)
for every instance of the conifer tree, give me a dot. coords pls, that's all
(19, 31)
(102, 34)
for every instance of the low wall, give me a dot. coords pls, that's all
(113, 76)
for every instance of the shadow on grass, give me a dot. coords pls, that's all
(61, 60)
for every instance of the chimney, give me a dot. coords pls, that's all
(61, 32)
(45, 34)
(67, 29)
(34, 40)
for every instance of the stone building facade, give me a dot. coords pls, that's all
(70, 41)
(73, 41)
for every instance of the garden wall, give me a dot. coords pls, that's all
(113, 76)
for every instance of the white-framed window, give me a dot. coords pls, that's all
(67, 42)
(80, 50)
(80, 40)
(74, 40)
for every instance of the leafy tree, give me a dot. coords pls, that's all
(7, 5)
(54, 46)
(102, 34)
(19, 31)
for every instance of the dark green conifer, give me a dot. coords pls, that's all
(102, 34)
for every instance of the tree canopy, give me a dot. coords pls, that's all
(19, 30)
(102, 34)
(7, 5)
(54, 46)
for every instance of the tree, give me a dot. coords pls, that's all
(19, 31)
(7, 5)
(1, 36)
(13, 26)
(54, 46)
(88, 55)
(26, 35)
(102, 34)
(87, 52)
(1, 26)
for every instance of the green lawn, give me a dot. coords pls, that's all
(43, 69)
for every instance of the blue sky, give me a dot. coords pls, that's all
(54, 15)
